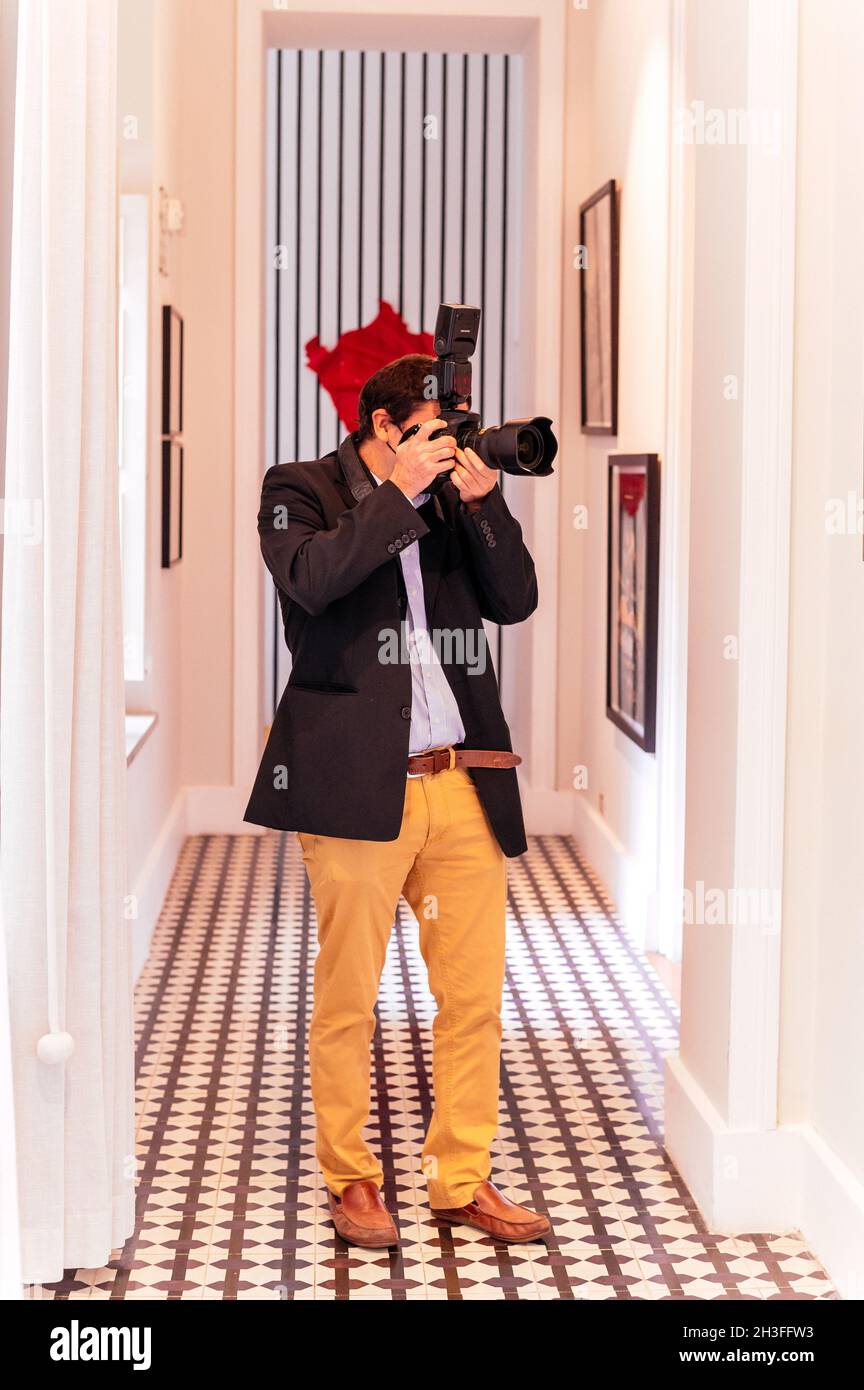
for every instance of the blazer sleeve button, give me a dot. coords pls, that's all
(412, 535)
(405, 711)
(391, 547)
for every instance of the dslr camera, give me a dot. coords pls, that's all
(518, 446)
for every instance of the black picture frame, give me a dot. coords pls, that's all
(598, 310)
(632, 595)
(172, 502)
(172, 371)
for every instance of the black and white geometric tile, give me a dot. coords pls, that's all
(231, 1204)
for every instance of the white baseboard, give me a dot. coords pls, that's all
(195, 811)
(784, 1179)
(218, 811)
(152, 883)
(621, 874)
(741, 1181)
(832, 1221)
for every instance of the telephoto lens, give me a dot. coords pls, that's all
(517, 446)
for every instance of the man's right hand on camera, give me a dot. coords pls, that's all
(420, 459)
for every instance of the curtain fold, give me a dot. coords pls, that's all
(10, 1250)
(62, 750)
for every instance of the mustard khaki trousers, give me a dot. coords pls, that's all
(452, 872)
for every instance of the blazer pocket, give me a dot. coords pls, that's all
(316, 689)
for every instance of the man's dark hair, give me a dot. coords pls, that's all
(397, 388)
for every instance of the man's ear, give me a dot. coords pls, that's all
(380, 421)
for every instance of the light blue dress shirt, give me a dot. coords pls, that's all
(435, 718)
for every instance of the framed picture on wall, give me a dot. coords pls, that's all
(172, 371)
(598, 310)
(172, 502)
(633, 564)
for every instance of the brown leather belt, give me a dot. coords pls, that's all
(444, 759)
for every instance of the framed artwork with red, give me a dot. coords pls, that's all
(633, 566)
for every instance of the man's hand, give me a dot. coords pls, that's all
(471, 476)
(420, 459)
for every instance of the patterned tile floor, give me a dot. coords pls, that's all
(231, 1204)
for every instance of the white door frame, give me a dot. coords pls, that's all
(664, 932)
(766, 472)
(537, 28)
(763, 629)
(714, 1150)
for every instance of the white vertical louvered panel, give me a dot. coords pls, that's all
(431, 219)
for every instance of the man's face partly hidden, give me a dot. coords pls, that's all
(429, 410)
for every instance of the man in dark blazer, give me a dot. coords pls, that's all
(390, 756)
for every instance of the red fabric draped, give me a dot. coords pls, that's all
(358, 354)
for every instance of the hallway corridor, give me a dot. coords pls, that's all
(230, 1202)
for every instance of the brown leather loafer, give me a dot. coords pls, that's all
(361, 1217)
(495, 1214)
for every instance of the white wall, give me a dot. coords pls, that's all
(149, 89)
(717, 76)
(823, 947)
(205, 181)
(617, 127)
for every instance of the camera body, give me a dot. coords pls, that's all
(518, 446)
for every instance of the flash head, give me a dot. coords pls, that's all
(457, 329)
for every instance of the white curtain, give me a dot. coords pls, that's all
(62, 760)
(10, 1250)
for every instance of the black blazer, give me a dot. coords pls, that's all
(335, 760)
